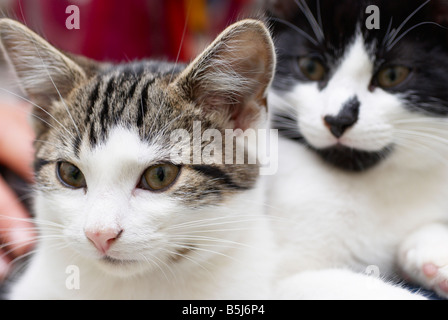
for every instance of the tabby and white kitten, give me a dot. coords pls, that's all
(362, 115)
(118, 218)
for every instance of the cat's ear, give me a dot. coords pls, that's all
(44, 73)
(231, 77)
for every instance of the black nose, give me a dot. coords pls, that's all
(346, 118)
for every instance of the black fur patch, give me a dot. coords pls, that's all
(419, 43)
(351, 159)
(214, 172)
(39, 163)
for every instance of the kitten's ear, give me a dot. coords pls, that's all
(231, 77)
(44, 73)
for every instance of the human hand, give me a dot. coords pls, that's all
(16, 154)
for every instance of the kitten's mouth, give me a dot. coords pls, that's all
(117, 262)
(120, 267)
(350, 159)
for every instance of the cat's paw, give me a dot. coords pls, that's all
(423, 258)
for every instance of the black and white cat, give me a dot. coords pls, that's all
(362, 115)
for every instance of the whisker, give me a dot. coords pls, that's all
(47, 228)
(431, 137)
(54, 145)
(196, 248)
(312, 21)
(410, 29)
(165, 94)
(210, 239)
(57, 90)
(430, 121)
(297, 29)
(319, 17)
(67, 109)
(412, 144)
(157, 265)
(40, 108)
(30, 240)
(18, 268)
(187, 258)
(216, 221)
(33, 220)
(58, 245)
(386, 37)
(395, 33)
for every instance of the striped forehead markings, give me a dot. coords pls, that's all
(109, 100)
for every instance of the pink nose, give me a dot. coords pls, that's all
(103, 239)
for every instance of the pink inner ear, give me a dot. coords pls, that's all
(238, 118)
(245, 116)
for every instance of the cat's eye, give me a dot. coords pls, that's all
(312, 68)
(70, 175)
(159, 177)
(390, 77)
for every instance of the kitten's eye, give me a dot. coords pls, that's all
(70, 175)
(159, 177)
(312, 68)
(392, 76)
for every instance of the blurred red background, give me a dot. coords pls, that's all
(118, 30)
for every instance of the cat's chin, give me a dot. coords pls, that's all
(353, 160)
(121, 268)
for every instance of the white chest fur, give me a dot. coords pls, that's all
(331, 218)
